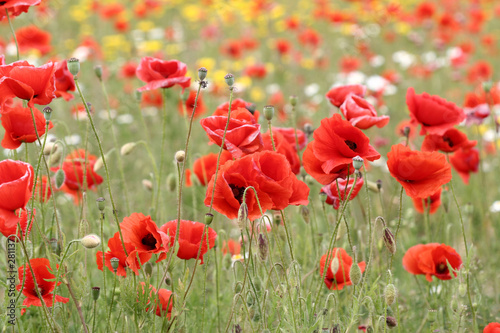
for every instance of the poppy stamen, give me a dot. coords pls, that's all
(448, 141)
(352, 145)
(150, 241)
(441, 268)
(237, 192)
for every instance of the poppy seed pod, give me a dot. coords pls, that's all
(293, 100)
(96, 291)
(115, 262)
(47, 113)
(357, 162)
(202, 73)
(229, 79)
(90, 241)
(100, 203)
(209, 218)
(98, 72)
(74, 66)
(269, 112)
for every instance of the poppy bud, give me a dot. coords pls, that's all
(369, 329)
(454, 305)
(335, 265)
(390, 293)
(127, 148)
(209, 217)
(389, 240)
(185, 96)
(96, 291)
(263, 248)
(90, 241)
(237, 287)
(269, 112)
(379, 184)
(49, 146)
(171, 182)
(250, 299)
(98, 164)
(148, 269)
(168, 279)
(355, 274)
(47, 113)
(391, 322)
(115, 262)
(100, 203)
(242, 215)
(98, 72)
(406, 131)
(308, 129)
(229, 79)
(74, 66)
(237, 329)
(83, 228)
(304, 211)
(357, 162)
(148, 185)
(54, 245)
(55, 156)
(138, 96)
(462, 289)
(445, 199)
(432, 316)
(202, 73)
(293, 100)
(60, 177)
(180, 156)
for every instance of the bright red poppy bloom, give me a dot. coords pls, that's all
(435, 114)
(450, 141)
(42, 190)
(16, 7)
(64, 81)
(22, 80)
(339, 279)
(431, 260)
(166, 303)
(116, 251)
(204, 167)
(432, 203)
(74, 166)
(479, 72)
(283, 46)
(361, 114)
(232, 48)
(190, 235)
(349, 64)
(143, 234)
(16, 184)
(283, 147)
(335, 143)
(271, 176)
(128, 70)
(189, 105)
(337, 95)
(232, 247)
(257, 71)
(9, 222)
(242, 135)
(162, 74)
(40, 268)
(420, 173)
(223, 108)
(332, 191)
(465, 161)
(492, 328)
(289, 135)
(32, 38)
(18, 124)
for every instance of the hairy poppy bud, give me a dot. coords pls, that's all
(54, 245)
(263, 247)
(168, 279)
(47, 113)
(304, 211)
(202, 73)
(209, 217)
(171, 182)
(115, 262)
(148, 185)
(308, 129)
(355, 274)
(462, 289)
(390, 293)
(55, 156)
(293, 100)
(389, 240)
(96, 291)
(335, 265)
(242, 215)
(180, 156)
(98, 72)
(148, 269)
(127, 148)
(391, 322)
(98, 164)
(74, 66)
(229, 79)
(357, 162)
(60, 178)
(100, 203)
(90, 241)
(269, 112)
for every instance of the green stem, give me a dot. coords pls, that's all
(13, 32)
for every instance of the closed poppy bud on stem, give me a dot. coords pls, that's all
(115, 262)
(127, 148)
(47, 113)
(148, 269)
(390, 293)
(202, 73)
(304, 211)
(209, 217)
(293, 100)
(269, 112)
(96, 291)
(229, 79)
(148, 185)
(54, 245)
(98, 72)
(242, 215)
(335, 265)
(180, 156)
(171, 182)
(60, 177)
(263, 247)
(90, 241)
(355, 274)
(391, 322)
(379, 184)
(389, 240)
(74, 66)
(185, 96)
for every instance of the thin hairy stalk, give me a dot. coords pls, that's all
(103, 255)
(93, 320)
(58, 268)
(112, 299)
(78, 308)
(162, 153)
(399, 223)
(13, 32)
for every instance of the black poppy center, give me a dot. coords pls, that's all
(149, 241)
(2, 3)
(351, 144)
(448, 141)
(441, 268)
(237, 192)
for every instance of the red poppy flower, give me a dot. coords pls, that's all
(162, 74)
(271, 176)
(431, 260)
(18, 124)
(257, 71)
(16, 184)
(204, 167)
(425, 10)
(339, 279)
(152, 98)
(361, 114)
(2, 57)
(465, 161)
(32, 38)
(64, 81)
(128, 70)
(143, 234)
(492, 327)
(242, 135)
(34, 84)
(73, 167)
(289, 135)
(310, 37)
(166, 303)
(42, 190)
(450, 141)
(433, 202)
(16, 7)
(9, 222)
(232, 48)
(190, 235)
(349, 64)
(116, 251)
(200, 107)
(232, 247)
(332, 191)
(479, 72)
(335, 143)
(400, 129)
(283, 147)
(420, 173)
(435, 114)
(337, 95)
(222, 109)
(283, 46)
(41, 269)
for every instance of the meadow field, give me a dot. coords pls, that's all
(250, 166)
